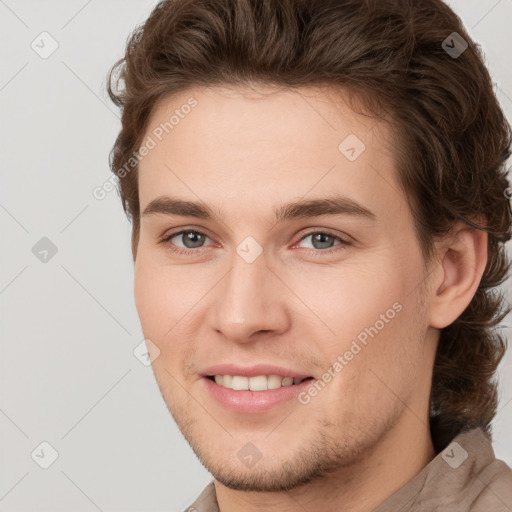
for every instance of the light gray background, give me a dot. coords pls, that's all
(69, 326)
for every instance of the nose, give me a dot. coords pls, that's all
(250, 302)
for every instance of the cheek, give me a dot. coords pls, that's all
(351, 299)
(372, 320)
(167, 300)
(145, 291)
(153, 299)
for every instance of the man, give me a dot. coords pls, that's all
(319, 207)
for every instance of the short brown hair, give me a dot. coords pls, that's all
(453, 140)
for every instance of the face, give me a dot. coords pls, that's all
(331, 291)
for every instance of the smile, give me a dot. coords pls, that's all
(251, 395)
(258, 383)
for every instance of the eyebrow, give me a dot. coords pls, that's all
(334, 205)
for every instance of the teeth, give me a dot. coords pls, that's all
(240, 383)
(259, 383)
(274, 382)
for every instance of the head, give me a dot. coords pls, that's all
(245, 107)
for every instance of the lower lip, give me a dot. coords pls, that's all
(254, 401)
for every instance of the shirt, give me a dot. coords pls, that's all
(465, 477)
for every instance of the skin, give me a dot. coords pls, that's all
(246, 151)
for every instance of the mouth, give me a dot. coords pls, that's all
(255, 394)
(255, 388)
(256, 383)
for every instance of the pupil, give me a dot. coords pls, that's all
(190, 238)
(320, 237)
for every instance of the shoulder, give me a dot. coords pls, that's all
(494, 483)
(464, 477)
(475, 480)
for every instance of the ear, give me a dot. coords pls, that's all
(462, 258)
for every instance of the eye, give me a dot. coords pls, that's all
(191, 239)
(322, 241)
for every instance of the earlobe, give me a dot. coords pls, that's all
(462, 262)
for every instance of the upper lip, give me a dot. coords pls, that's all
(253, 371)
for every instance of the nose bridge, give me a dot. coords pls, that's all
(246, 302)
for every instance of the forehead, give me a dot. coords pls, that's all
(248, 113)
(265, 145)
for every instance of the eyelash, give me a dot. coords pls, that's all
(343, 242)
